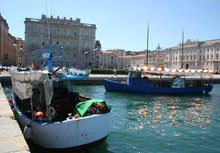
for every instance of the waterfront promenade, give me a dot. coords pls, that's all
(97, 79)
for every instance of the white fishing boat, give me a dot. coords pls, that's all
(54, 116)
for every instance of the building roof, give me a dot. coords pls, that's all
(4, 20)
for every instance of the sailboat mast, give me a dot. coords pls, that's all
(147, 43)
(182, 47)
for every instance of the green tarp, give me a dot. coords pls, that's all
(83, 106)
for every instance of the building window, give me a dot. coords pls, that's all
(74, 64)
(74, 55)
(68, 45)
(87, 34)
(86, 45)
(68, 32)
(75, 34)
(74, 45)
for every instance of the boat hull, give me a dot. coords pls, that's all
(150, 88)
(78, 134)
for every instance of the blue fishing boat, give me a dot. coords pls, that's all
(139, 82)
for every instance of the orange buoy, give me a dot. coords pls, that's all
(39, 114)
(10, 100)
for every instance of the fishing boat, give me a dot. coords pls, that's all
(52, 114)
(174, 82)
(77, 72)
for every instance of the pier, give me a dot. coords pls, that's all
(11, 137)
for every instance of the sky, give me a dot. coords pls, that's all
(122, 24)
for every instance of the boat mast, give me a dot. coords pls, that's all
(147, 43)
(182, 47)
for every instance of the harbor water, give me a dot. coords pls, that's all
(155, 123)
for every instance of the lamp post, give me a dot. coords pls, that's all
(21, 49)
(15, 51)
(95, 57)
(86, 54)
(26, 58)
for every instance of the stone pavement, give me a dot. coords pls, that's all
(11, 137)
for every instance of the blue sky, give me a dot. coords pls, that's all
(122, 24)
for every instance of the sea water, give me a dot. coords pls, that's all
(156, 123)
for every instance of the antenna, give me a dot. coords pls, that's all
(47, 21)
(51, 8)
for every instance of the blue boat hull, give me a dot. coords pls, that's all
(150, 88)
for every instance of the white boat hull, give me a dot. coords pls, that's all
(68, 134)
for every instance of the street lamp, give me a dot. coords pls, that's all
(15, 51)
(26, 58)
(86, 53)
(21, 49)
(95, 57)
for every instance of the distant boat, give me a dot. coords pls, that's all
(52, 114)
(136, 83)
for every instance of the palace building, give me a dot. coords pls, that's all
(194, 55)
(75, 40)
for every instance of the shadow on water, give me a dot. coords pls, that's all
(36, 149)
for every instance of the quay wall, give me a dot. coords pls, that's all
(11, 137)
(97, 79)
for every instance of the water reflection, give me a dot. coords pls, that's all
(176, 112)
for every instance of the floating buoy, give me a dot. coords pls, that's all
(39, 114)
(10, 100)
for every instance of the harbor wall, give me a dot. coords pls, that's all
(97, 79)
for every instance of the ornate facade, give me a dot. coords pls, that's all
(194, 55)
(75, 40)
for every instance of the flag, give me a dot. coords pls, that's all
(32, 65)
